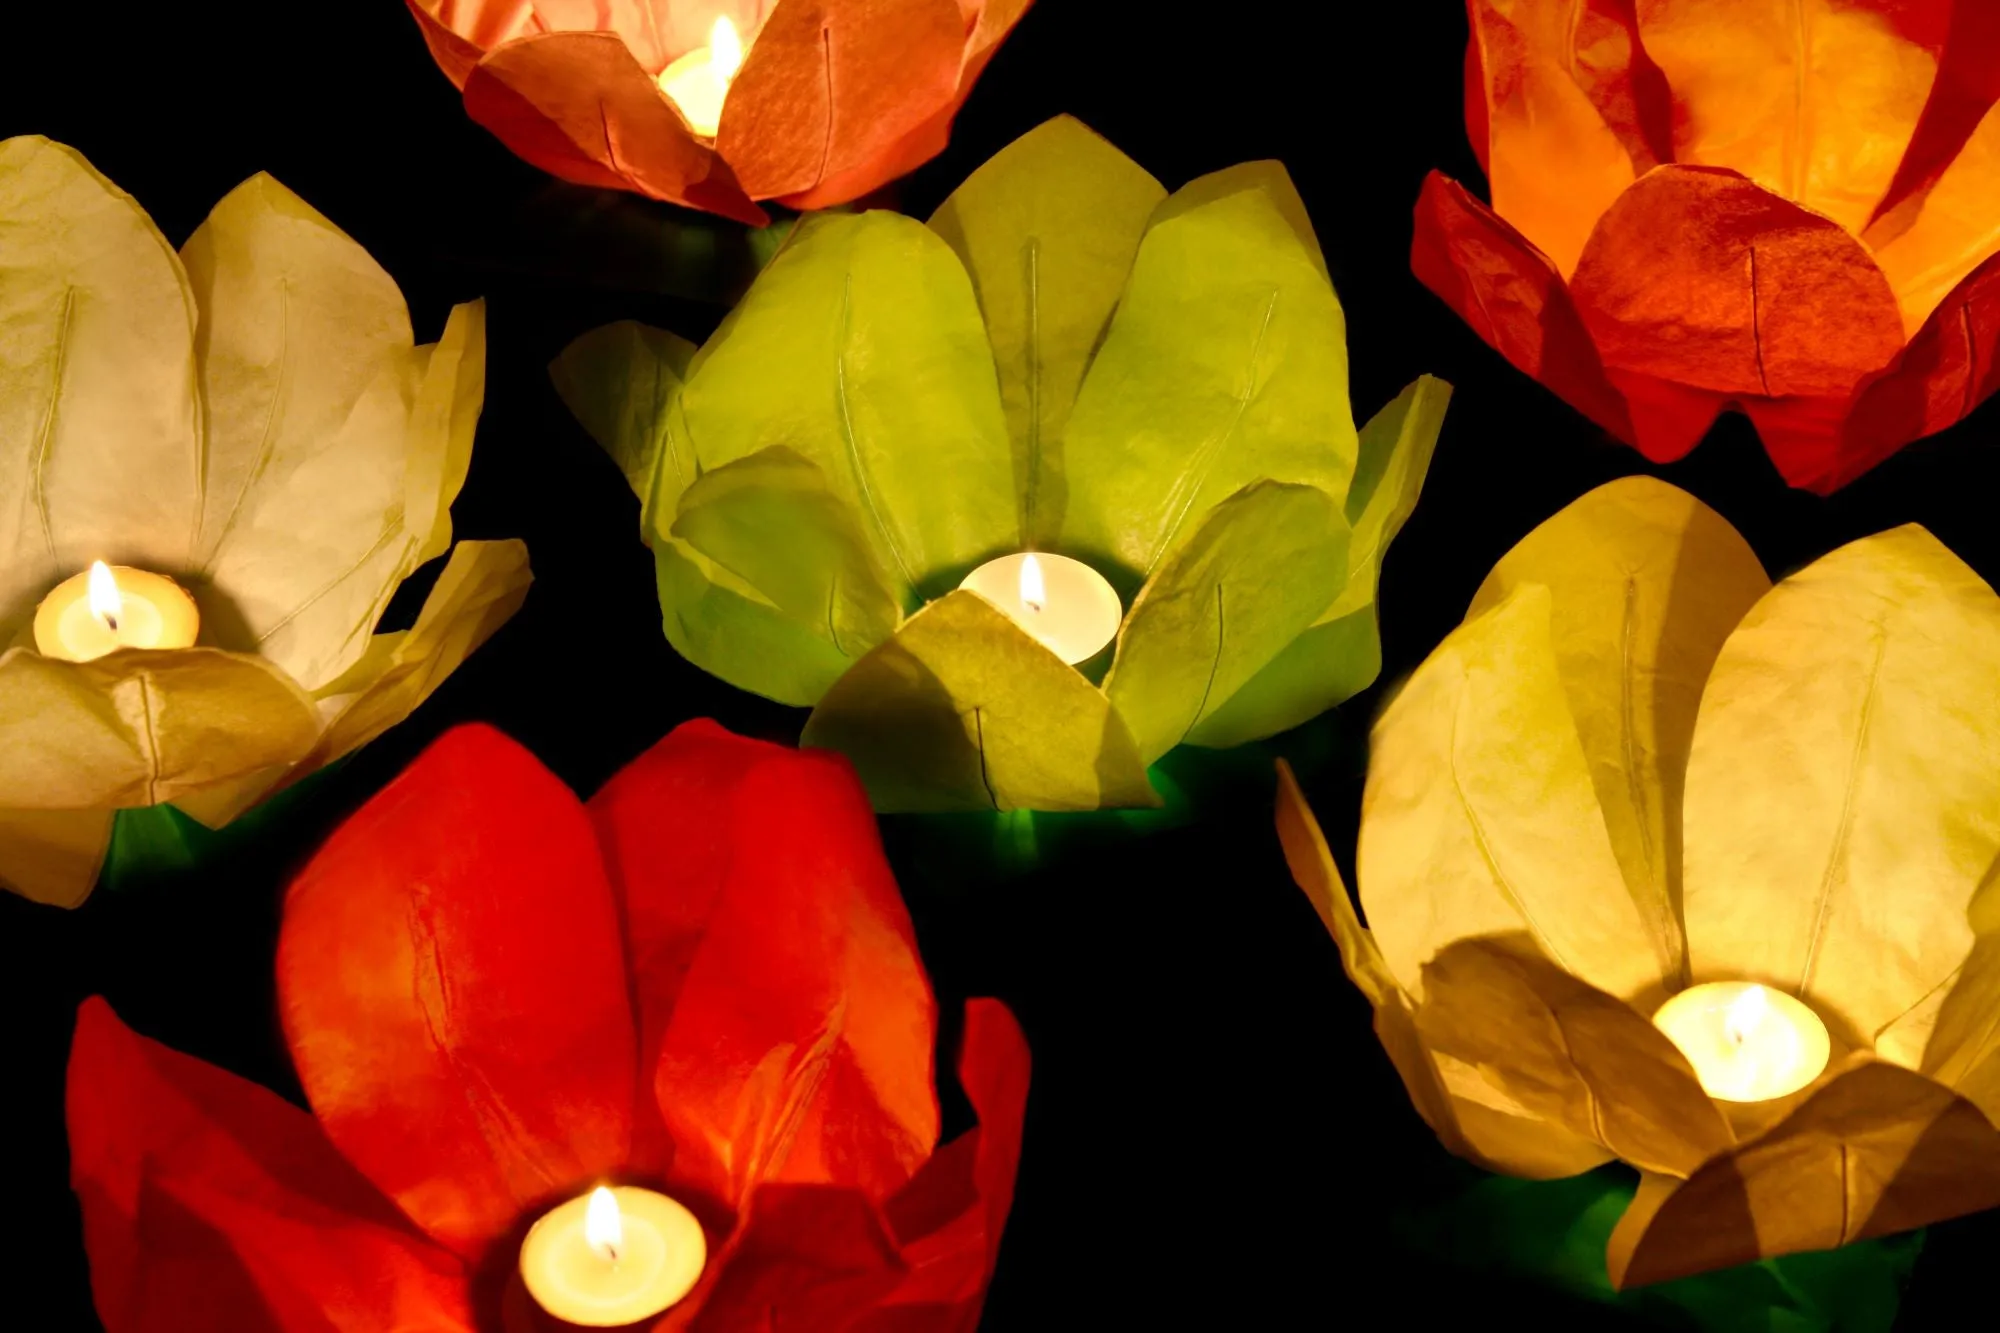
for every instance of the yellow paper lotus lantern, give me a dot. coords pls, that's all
(1639, 781)
(215, 468)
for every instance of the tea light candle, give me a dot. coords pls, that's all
(1063, 603)
(699, 81)
(612, 1257)
(1747, 1043)
(108, 607)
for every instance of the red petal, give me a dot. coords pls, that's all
(832, 87)
(1967, 84)
(808, 1257)
(452, 983)
(1699, 277)
(775, 967)
(1512, 297)
(1949, 368)
(211, 1203)
(950, 1216)
(579, 106)
(1668, 419)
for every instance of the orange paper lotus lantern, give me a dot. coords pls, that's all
(1788, 207)
(716, 104)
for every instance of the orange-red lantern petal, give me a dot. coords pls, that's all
(791, 1036)
(452, 982)
(210, 1203)
(580, 106)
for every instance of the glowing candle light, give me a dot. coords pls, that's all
(1746, 1042)
(699, 81)
(612, 1257)
(1065, 604)
(108, 607)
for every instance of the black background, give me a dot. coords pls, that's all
(1215, 1139)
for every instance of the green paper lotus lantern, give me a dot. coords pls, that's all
(1066, 360)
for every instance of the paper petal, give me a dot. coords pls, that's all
(1480, 817)
(307, 373)
(1967, 84)
(1327, 665)
(1700, 277)
(725, 629)
(771, 520)
(831, 85)
(807, 1257)
(1874, 1151)
(577, 105)
(454, 53)
(1169, 424)
(1569, 1053)
(962, 710)
(793, 1021)
(950, 1216)
(619, 381)
(139, 728)
(442, 424)
(860, 347)
(1645, 583)
(1512, 297)
(101, 432)
(1048, 228)
(452, 984)
(1812, 99)
(1254, 576)
(1839, 790)
(210, 1203)
(1564, 122)
(53, 856)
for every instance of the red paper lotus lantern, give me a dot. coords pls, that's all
(702, 982)
(1783, 206)
(832, 99)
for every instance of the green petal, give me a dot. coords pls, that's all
(1048, 229)
(1262, 566)
(731, 633)
(1225, 364)
(619, 381)
(770, 520)
(962, 710)
(1395, 456)
(861, 348)
(1327, 665)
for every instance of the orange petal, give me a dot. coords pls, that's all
(1698, 277)
(452, 982)
(1934, 241)
(579, 106)
(795, 1021)
(455, 53)
(832, 87)
(1571, 117)
(1814, 100)
(211, 1203)
(1968, 83)
(1875, 1150)
(1512, 297)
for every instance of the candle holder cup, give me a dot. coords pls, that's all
(1638, 767)
(1065, 359)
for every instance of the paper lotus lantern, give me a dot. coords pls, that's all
(1148, 393)
(247, 429)
(702, 982)
(832, 99)
(1636, 772)
(1782, 206)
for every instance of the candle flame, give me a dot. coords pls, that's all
(603, 1226)
(1745, 1014)
(1034, 593)
(725, 49)
(106, 602)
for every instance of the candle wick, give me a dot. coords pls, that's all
(111, 622)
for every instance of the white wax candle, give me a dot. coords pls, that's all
(108, 607)
(1747, 1043)
(612, 1257)
(1065, 604)
(699, 81)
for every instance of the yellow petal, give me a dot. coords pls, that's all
(1843, 791)
(442, 425)
(1812, 99)
(1645, 583)
(100, 439)
(1876, 1150)
(1480, 818)
(141, 728)
(53, 856)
